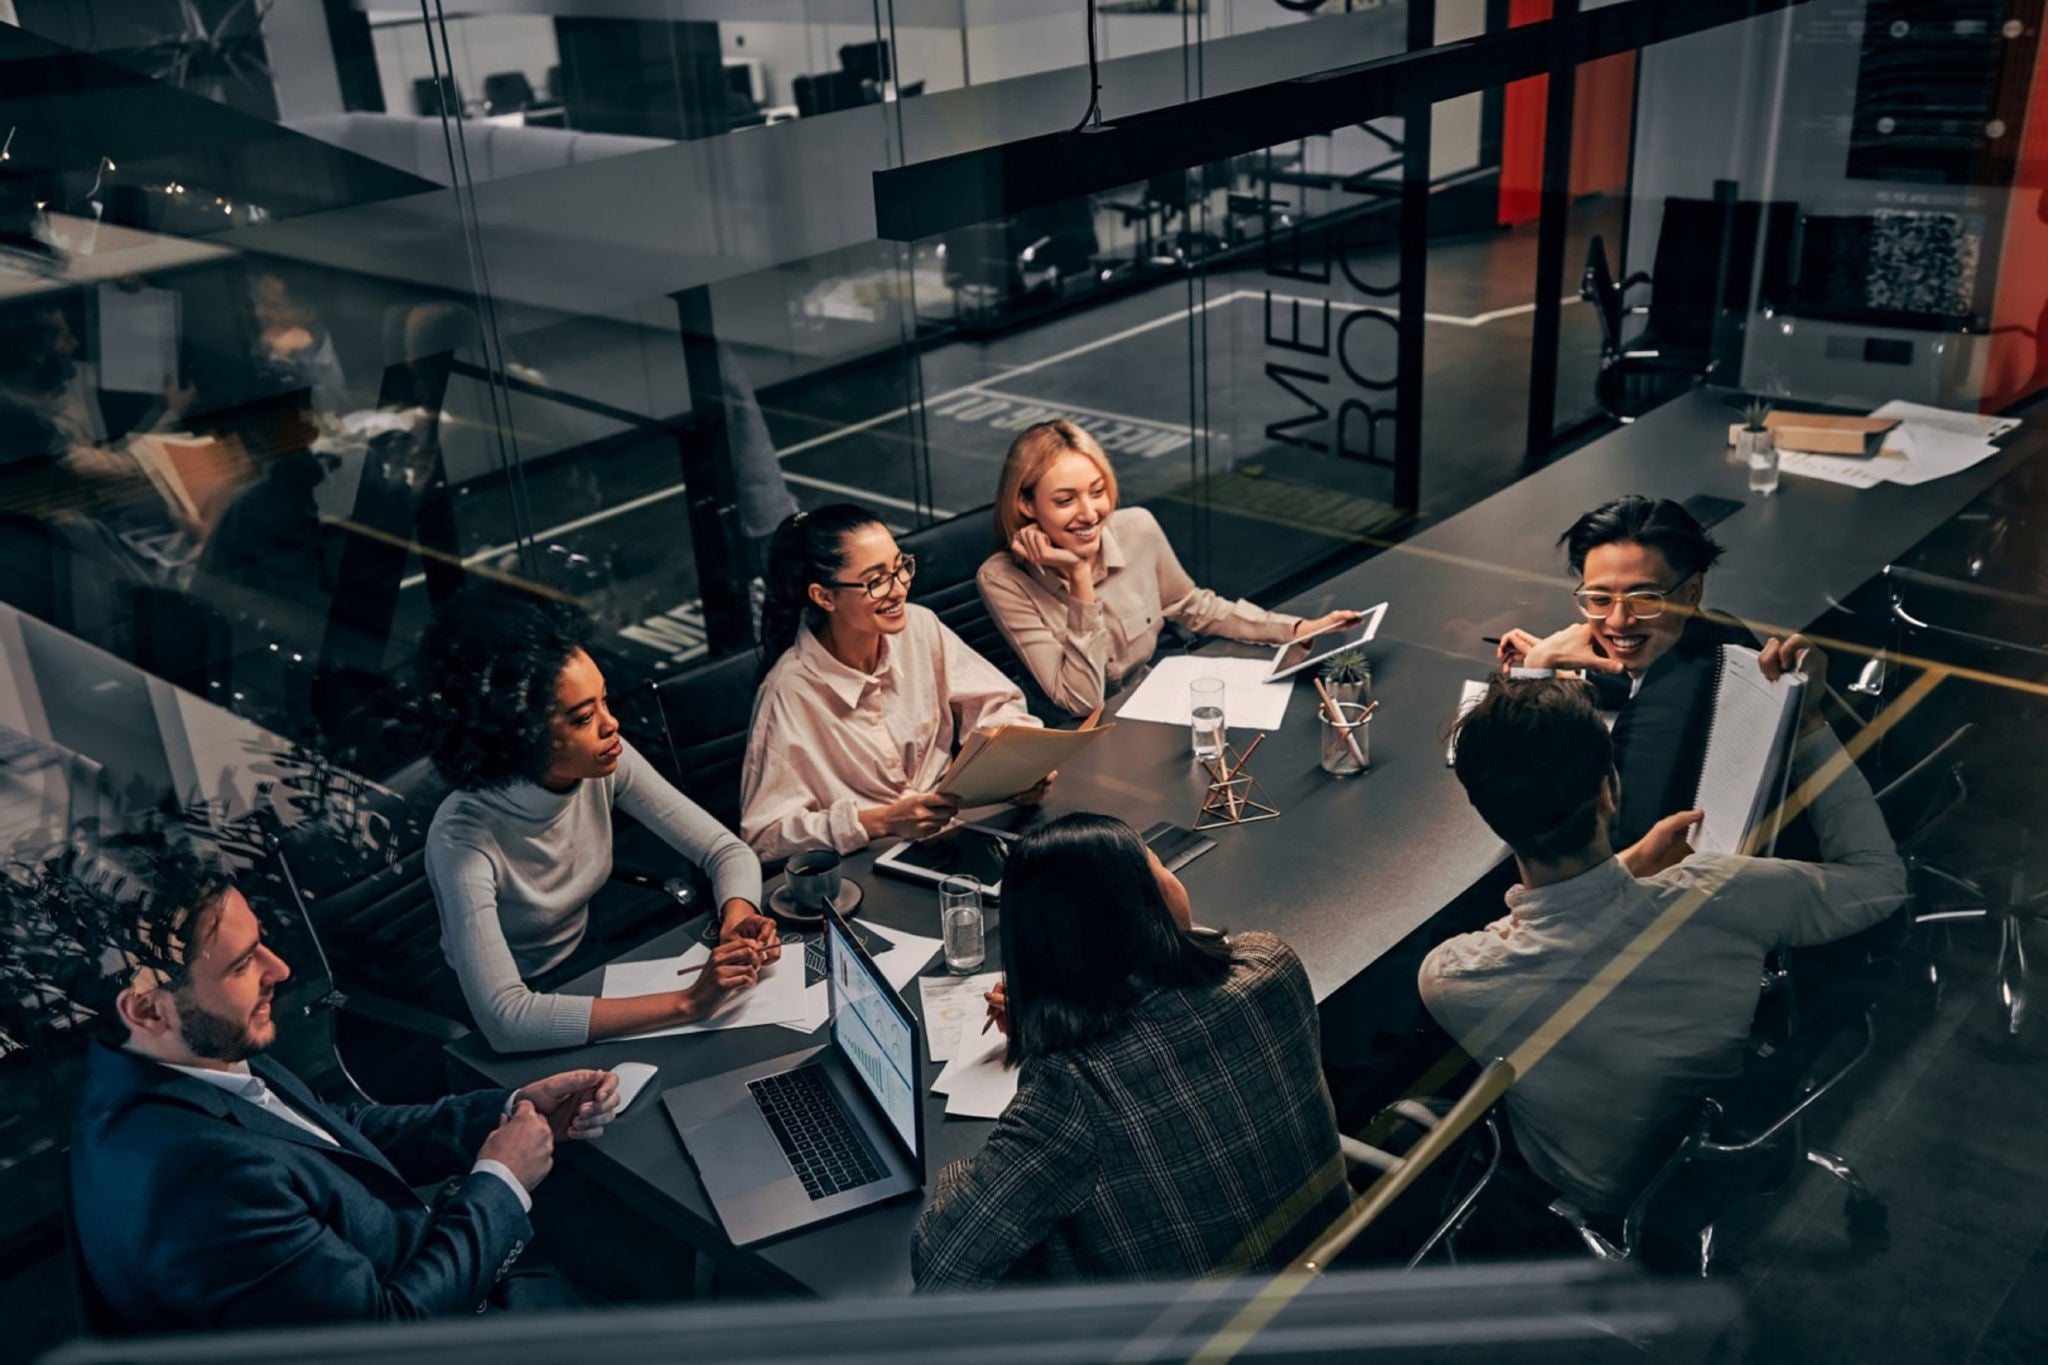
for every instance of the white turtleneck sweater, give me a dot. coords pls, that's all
(513, 871)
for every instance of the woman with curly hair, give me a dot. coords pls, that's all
(867, 695)
(525, 736)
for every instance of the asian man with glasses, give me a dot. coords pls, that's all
(1649, 646)
(866, 696)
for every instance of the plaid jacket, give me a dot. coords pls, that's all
(1199, 1138)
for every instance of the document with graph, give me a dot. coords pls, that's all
(1748, 764)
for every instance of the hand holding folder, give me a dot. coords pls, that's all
(995, 765)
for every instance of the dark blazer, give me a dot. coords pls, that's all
(1199, 1137)
(1660, 735)
(196, 1208)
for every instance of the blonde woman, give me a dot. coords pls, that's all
(1082, 588)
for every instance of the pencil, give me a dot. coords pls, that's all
(1336, 718)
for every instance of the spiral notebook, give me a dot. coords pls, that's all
(1748, 766)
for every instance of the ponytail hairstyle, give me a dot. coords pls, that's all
(807, 548)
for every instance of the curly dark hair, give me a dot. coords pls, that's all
(488, 667)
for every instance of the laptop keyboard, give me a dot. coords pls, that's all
(827, 1153)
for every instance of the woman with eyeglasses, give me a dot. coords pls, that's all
(1082, 588)
(1649, 647)
(865, 698)
(1171, 1118)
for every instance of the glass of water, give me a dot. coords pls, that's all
(1763, 462)
(1205, 717)
(960, 923)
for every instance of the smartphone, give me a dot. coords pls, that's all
(1176, 845)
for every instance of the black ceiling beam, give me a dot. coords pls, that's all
(948, 192)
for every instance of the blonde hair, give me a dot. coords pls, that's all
(1031, 454)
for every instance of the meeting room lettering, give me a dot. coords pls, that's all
(1318, 348)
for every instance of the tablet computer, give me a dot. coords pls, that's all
(1309, 650)
(976, 851)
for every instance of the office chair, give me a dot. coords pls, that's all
(1970, 625)
(1749, 1141)
(827, 92)
(435, 96)
(697, 722)
(1636, 374)
(1466, 1164)
(507, 92)
(1442, 1134)
(867, 62)
(95, 1315)
(948, 555)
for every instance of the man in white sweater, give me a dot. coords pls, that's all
(1673, 953)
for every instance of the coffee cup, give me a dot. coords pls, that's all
(814, 880)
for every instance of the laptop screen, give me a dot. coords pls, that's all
(874, 1033)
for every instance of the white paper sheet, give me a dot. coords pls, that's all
(1249, 701)
(777, 997)
(1850, 470)
(900, 962)
(954, 1011)
(1969, 424)
(978, 1083)
(1932, 453)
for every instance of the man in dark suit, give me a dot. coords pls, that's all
(212, 1189)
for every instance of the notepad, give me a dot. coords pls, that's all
(1748, 763)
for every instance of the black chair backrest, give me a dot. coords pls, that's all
(1597, 287)
(1969, 624)
(826, 92)
(866, 61)
(1683, 305)
(434, 96)
(507, 91)
(699, 732)
(1917, 799)
(948, 555)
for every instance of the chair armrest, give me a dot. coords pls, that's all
(396, 1014)
(1640, 277)
(1358, 1154)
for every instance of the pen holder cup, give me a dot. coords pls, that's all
(1347, 746)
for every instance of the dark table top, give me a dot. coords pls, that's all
(1352, 866)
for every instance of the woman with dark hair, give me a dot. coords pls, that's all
(524, 734)
(1650, 648)
(1170, 1114)
(866, 697)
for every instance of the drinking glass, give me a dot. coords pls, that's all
(960, 923)
(1205, 717)
(1763, 462)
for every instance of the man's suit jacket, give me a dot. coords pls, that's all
(1197, 1137)
(196, 1208)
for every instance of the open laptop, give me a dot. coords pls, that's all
(791, 1142)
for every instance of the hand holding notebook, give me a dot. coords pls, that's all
(1744, 777)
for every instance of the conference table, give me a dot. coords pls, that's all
(1352, 866)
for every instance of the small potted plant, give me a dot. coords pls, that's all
(1348, 676)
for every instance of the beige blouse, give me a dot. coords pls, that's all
(1078, 652)
(829, 741)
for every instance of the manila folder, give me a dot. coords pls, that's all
(995, 766)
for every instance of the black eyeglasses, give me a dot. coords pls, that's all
(878, 586)
(1644, 604)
